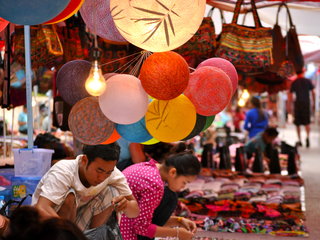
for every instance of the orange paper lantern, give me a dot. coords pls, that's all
(164, 75)
(171, 121)
(114, 137)
(210, 90)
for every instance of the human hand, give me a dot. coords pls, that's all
(184, 234)
(120, 203)
(188, 224)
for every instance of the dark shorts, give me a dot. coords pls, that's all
(302, 114)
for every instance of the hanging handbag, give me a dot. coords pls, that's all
(248, 48)
(282, 68)
(293, 46)
(203, 43)
(46, 48)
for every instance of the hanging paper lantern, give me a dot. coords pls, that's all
(209, 121)
(150, 142)
(171, 121)
(114, 137)
(70, 10)
(209, 90)
(157, 26)
(27, 12)
(71, 80)
(124, 100)
(108, 75)
(164, 75)
(224, 65)
(97, 17)
(135, 132)
(88, 124)
(200, 123)
(3, 24)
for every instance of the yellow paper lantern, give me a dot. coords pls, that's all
(159, 25)
(150, 142)
(171, 120)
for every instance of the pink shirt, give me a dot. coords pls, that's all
(147, 187)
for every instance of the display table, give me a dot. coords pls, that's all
(256, 203)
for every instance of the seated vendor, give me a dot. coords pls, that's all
(261, 142)
(86, 190)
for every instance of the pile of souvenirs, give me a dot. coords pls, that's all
(253, 203)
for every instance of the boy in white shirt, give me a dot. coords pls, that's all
(86, 190)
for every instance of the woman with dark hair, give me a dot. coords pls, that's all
(147, 181)
(256, 119)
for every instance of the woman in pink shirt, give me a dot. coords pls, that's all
(147, 181)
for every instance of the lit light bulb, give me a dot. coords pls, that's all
(245, 94)
(241, 102)
(95, 83)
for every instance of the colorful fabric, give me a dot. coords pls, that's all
(264, 204)
(248, 48)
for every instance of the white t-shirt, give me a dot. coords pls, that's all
(64, 175)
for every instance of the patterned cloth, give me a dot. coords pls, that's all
(95, 206)
(147, 187)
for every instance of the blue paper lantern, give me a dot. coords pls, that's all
(135, 132)
(31, 12)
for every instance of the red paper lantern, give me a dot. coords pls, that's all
(164, 75)
(210, 90)
(3, 24)
(224, 65)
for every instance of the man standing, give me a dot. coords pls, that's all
(302, 87)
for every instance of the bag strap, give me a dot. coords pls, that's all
(288, 13)
(254, 12)
(210, 13)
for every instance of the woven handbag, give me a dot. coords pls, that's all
(293, 46)
(46, 48)
(203, 43)
(248, 48)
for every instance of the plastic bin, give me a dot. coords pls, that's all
(32, 162)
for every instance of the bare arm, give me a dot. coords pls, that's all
(127, 204)
(182, 222)
(180, 233)
(136, 152)
(46, 208)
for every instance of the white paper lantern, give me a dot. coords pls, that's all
(157, 25)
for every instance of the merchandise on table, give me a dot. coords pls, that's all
(265, 204)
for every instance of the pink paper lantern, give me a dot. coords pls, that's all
(210, 90)
(97, 16)
(124, 100)
(224, 65)
(164, 75)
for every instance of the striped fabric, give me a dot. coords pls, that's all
(249, 49)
